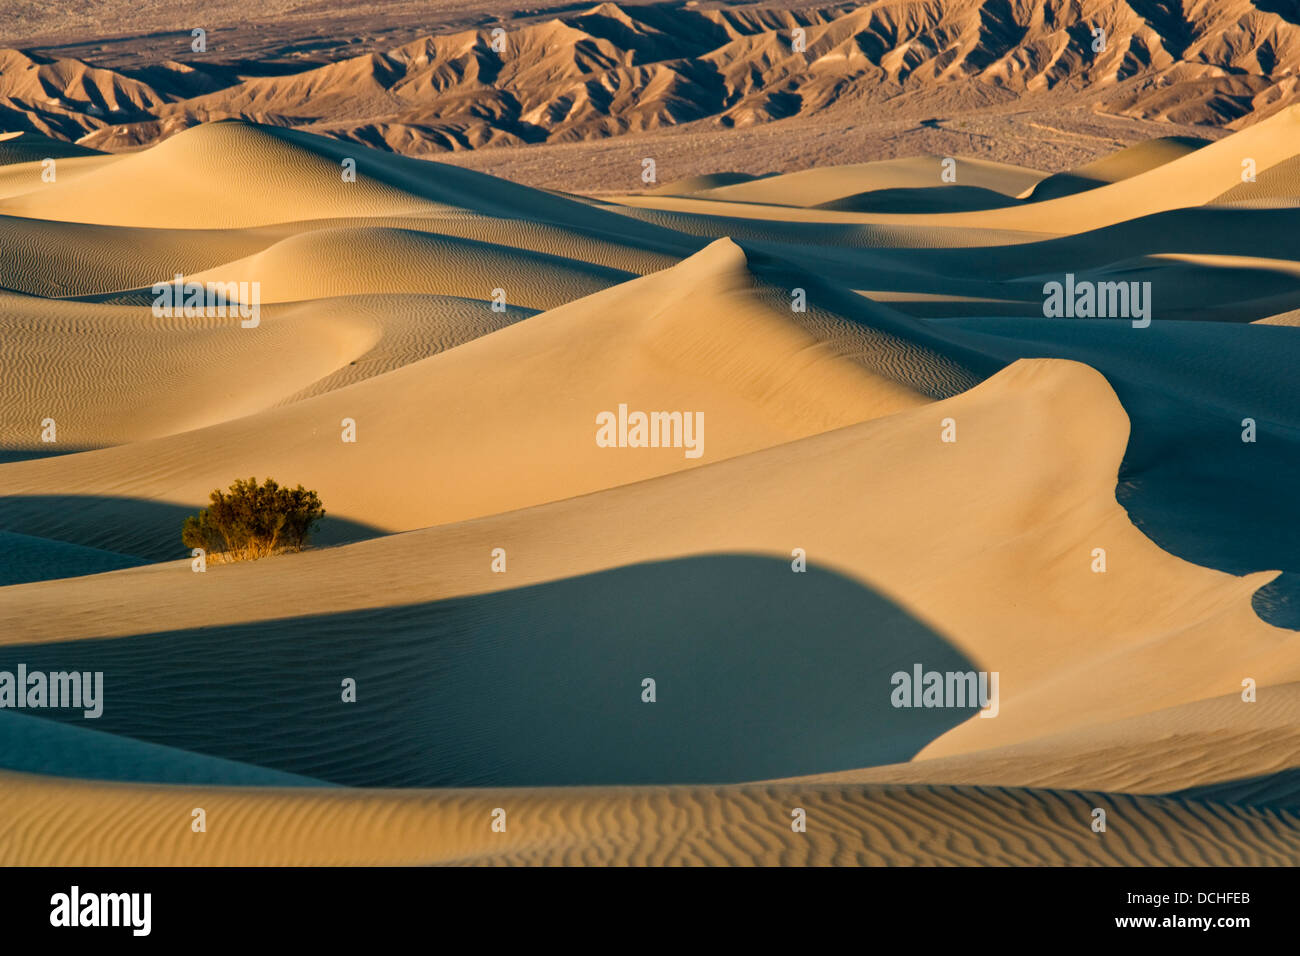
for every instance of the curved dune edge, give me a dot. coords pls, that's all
(97, 260)
(1119, 691)
(1291, 317)
(23, 175)
(280, 181)
(54, 823)
(1194, 179)
(988, 541)
(1128, 162)
(377, 260)
(759, 378)
(262, 176)
(1205, 742)
(110, 375)
(816, 187)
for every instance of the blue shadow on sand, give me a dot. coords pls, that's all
(64, 536)
(759, 673)
(1188, 480)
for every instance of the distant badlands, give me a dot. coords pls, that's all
(607, 71)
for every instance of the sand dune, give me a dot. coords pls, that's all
(123, 262)
(267, 175)
(25, 558)
(1201, 743)
(1121, 165)
(339, 262)
(95, 824)
(832, 327)
(818, 187)
(637, 344)
(1055, 638)
(185, 174)
(1276, 186)
(1194, 179)
(114, 374)
(55, 259)
(27, 147)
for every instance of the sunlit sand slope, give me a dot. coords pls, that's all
(448, 438)
(988, 540)
(1098, 511)
(86, 824)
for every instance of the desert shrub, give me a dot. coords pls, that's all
(253, 521)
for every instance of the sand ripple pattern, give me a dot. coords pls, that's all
(49, 822)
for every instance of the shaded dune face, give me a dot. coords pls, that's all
(904, 461)
(1188, 480)
(529, 687)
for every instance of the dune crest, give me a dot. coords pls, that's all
(758, 377)
(1015, 533)
(939, 534)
